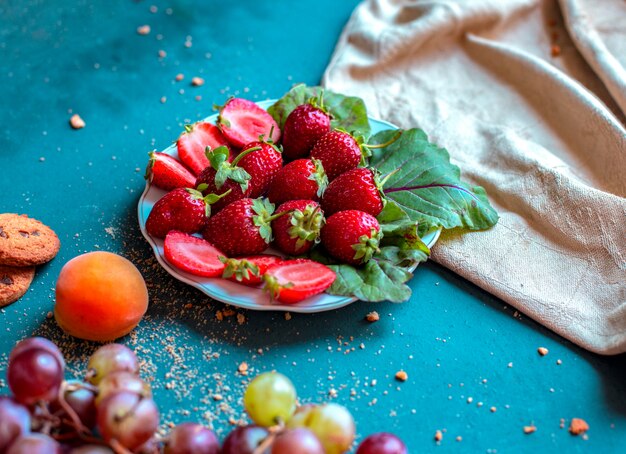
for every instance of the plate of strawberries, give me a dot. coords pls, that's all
(290, 204)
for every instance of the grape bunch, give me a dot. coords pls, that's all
(112, 411)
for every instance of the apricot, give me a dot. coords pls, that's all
(100, 296)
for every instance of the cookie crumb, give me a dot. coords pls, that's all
(76, 122)
(162, 54)
(243, 368)
(529, 429)
(143, 30)
(543, 351)
(438, 436)
(493, 409)
(401, 375)
(287, 316)
(241, 319)
(179, 77)
(578, 426)
(372, 317)
(197, 81)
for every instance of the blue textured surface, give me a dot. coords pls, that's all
(454, 340)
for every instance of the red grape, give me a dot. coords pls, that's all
(128, 418)
(81, 401)
(382, 443)
(122, 381)
(14, 421)
(91, 449)
(300, 440)
(189, 438)
(34, 375)
(244, 440)
(34, 444)
(38, 342)
(111, 358)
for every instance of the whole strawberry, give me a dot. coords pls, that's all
(296, 232)
(262, 164)
(302, 179)
(339, 152)
(242, 228)
(182, 209)
(351, 236)
(166, 172)
(222, 176)
(356, 189)
(193, 142)
(304, 126)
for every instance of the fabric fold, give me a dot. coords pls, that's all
(524, 114)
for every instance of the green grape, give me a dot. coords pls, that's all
(331, 423)
(270, 398)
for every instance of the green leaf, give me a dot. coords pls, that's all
(347, 112)
(377, 280)
(427, 187)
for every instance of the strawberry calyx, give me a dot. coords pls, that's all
(318, 103)
(239, 269)
(151, 162)
(264, 216)
(224, 170)
(208, 199)
(306, 225)
(273, 287)
(367, 246)
(319, 176)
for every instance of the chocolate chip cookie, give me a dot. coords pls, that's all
(25, 241)
(14, 281)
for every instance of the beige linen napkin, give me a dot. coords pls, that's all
(528, 97)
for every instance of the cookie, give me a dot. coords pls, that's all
(14, 281)
(25, 241)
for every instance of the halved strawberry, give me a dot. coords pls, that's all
(242, 121)
(248, 270)
(166, 172)
(193, 255)
(292, 281)
(193, 142)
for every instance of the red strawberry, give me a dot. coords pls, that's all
(304, 126)
(242, 228)
(166, 172)
(292, 281)
(296, 232)
(192, 254)
(193, 142)
(222, 176)
(351, 236)
(182, 209)
(356, 189)
(248, 270)
(262, 164)
(242, 121)
(339, 152)
(302, 179)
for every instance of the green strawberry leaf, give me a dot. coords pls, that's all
(347, 112)
(426, 186)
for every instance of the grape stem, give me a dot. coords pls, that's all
(76, 422)
(274, 431)
(118, 448)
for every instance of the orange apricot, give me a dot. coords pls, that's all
(100, 296)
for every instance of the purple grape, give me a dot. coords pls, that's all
(34, 444)
(14, 421)
(244, 440)
(34, 375)
(82, 401)
(382, 443)
(38, 342)
(189, 438)
(300, 440)
(128, 419)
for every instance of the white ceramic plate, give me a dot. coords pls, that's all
(230, 292)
